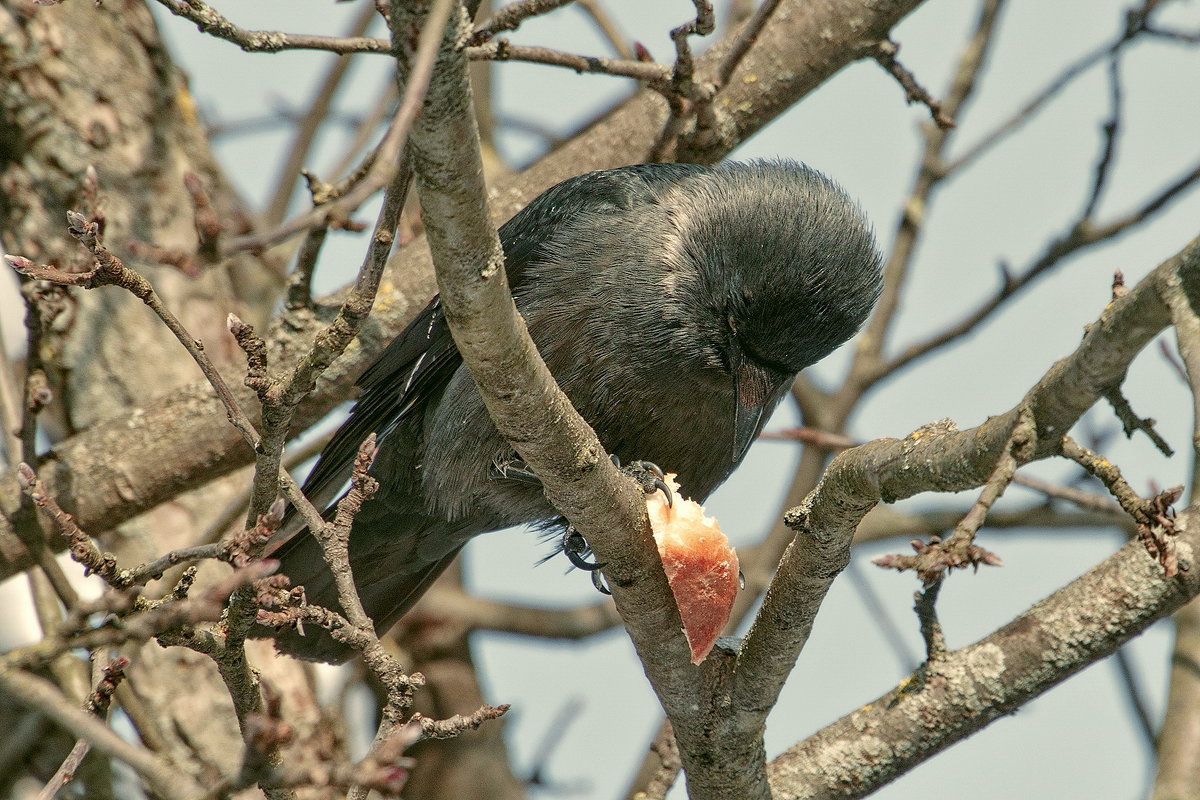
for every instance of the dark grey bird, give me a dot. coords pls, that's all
(673, 303)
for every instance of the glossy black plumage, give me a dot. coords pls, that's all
(673, 303)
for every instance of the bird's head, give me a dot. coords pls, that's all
(774, 267)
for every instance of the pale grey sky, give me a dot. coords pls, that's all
(1078, 740)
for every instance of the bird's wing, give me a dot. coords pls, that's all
(416, 366)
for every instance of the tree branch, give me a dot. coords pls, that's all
(969, 688)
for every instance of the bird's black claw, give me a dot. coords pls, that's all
(661, 485)
(575, 546)
(643, 466)
(649, 476)
(598, 582)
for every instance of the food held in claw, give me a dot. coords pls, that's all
(701, 567)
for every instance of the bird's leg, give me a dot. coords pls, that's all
(517, 470)
(647, 475)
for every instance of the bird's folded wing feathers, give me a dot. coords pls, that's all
(418, 364)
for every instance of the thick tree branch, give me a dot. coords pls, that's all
(1073, 628)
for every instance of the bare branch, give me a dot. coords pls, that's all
(931, 629)
(1080, 235)
(651, 73)
(1136, 24)
(1154, 518)
(1131, 422)
(686, 95)
(885, 53)
(510, 17)
(209, 20)
(110, 270)
(607, 27)
(1136, 696)
(959, 551)
(1073, 628)
(1111, 128)
(458, 724)
(746, 37)
(82, 548)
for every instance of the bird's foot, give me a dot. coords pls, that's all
(517, 470)
(577, 550)
(647, 475)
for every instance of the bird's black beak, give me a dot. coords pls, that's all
(756, 391)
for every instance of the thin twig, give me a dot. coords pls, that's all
(1027, 111)
(959, 550)
(37, 395)
(83, 549)
(382, 107)
(608, 28)
(1173, 34)
(476, 613)
(1080, 236)
(162, 777)
(1136, 697)
(236, 507)
(210, 21)
(1131, 422)
(1085, 500)
(10, 402)
(299, 291)
(453, 726)
(685, 94)
(925, 604)
(884, 52)
(140, 620)
(108, 269)
(510, 17)
(1111, 128)
(1154, 517)
(377, 170)
(653, 74)
(880, 615)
